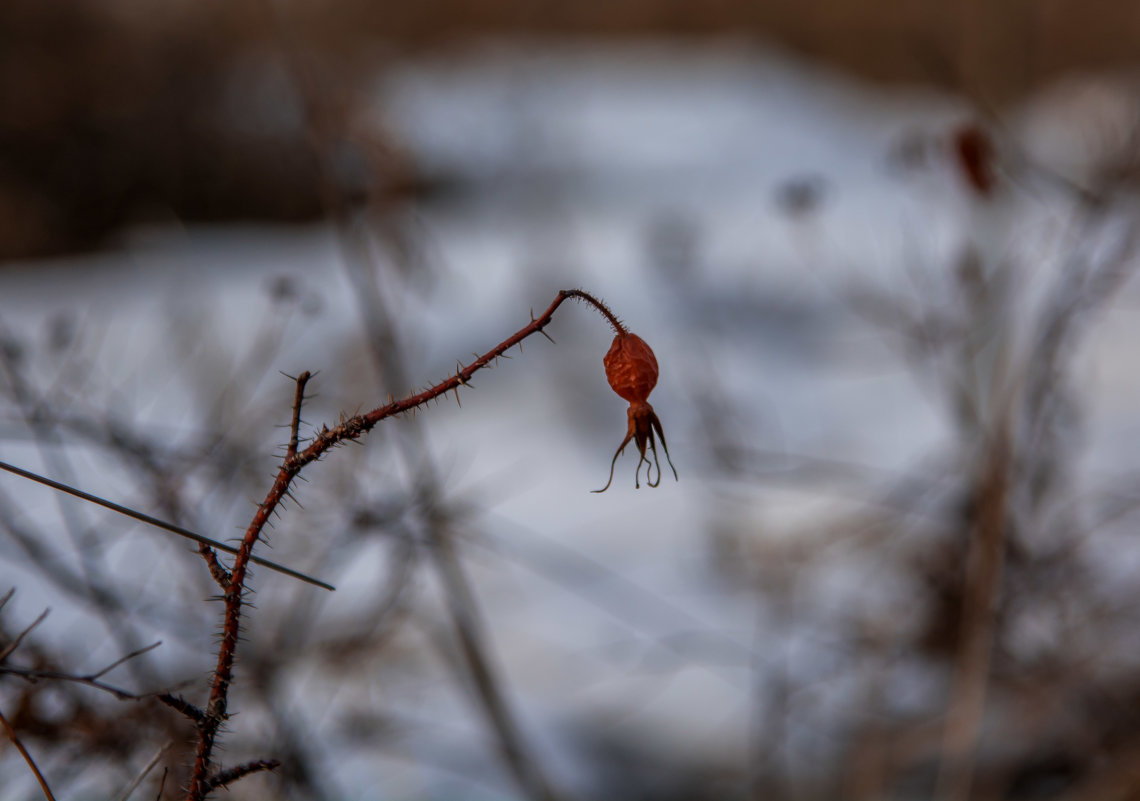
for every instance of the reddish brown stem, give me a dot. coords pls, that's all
(223, 578)
(220, 574)
(602, 308)
(295, 426)
(180, 704)
(349, 429)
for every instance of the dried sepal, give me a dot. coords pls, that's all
(644, 429)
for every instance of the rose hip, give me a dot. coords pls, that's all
(631, 369)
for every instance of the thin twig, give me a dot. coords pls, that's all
(27, 757)
(123, 659)
(146, 770)
(230, 775)
(154, 521)
(32, 675)
(12, 646)
(90, 679)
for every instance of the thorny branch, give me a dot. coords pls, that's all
(352, 427)
(180, 704)
(230, 775)
(349, 429)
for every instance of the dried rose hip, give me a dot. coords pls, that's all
(631, 369)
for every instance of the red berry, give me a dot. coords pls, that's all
(631, 368)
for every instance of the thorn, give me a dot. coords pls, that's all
(547, 336)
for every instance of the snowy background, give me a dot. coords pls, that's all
(739, 633)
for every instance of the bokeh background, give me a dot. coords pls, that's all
(883, 253)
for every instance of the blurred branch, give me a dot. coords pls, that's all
(89, 679)
(19, 638)
(145, 771)
(231, 775)
(979, 610)
(464, 612)
(154, 521)
(27, 757)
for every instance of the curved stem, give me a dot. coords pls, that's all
(351, 428)
(602, 308)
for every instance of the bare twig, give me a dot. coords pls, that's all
(90, 679)
(12, 646)
(27, 757)
(154, 521)
(230, 775)
(145, 771)
(32, 675)
(123, 659)
(979, 600)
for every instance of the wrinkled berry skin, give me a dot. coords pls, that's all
(631, 368)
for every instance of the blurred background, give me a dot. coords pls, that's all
(883, 254)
